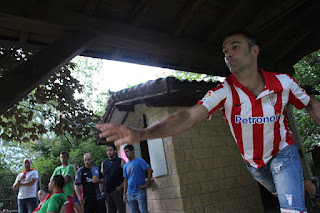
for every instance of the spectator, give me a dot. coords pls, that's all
(112, 170)
(90, 177)
(78, 207)
(54, 201)
(68, 172)
(27, 184)
(42, 194)
(134, 181)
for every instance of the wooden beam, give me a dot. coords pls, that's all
(271, 14)
(220, 29)
(28, 75)
(186, 15)
(24, 37)
(117, 53)
(139, 11)
(124, 36)
(90, 6)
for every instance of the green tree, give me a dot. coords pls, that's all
(49, 120)
(190, 76)
(93, 94)
(49, 109)
(307, 74)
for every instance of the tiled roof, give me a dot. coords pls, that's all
(161, 92)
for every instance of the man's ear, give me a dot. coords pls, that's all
(255, 50)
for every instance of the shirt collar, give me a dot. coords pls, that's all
(268, 79)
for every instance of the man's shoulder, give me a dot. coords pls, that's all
(62, 197)
(140, 159)
(118, 159)
(95, 168)
(34, 173)
(58, 168)
(272, 74)
(58, 195)
(81, 169)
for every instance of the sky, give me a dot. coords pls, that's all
(116, 75)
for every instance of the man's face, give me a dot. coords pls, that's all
(129, 154)
(237, 55)
(64, 159)
(41, 195)
(88, 161)
(27, 164)
(51, 185)
(111, 152)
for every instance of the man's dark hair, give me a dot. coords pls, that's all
(130, 147)
(112, 145)
(64, 153)
(252, 40)
(58, 181)
(45, 189)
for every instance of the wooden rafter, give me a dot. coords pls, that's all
(23, 37)
(28, 75)
(139, 11)
(260, 22)
(187, 15)
(90, 6)
(218, 30)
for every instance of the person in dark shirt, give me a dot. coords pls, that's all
(111, 168)
(90, 177)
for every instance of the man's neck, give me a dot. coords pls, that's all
(252, 80)
(65, 165)
(132, 158)
(112, 157)
(55, 190)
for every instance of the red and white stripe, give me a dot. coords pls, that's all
(258, 124)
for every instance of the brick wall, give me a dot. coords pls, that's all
(205, 170)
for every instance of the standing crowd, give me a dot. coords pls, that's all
(88, 189)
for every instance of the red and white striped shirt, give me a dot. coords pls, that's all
(258, 124)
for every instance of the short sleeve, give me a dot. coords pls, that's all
(144, 164)
(125, 171)
(214, 98)
(77, 180)
(298, 97)
(35, 175)
(71, 171)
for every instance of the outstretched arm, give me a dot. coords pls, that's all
(313, 108)
(173, 125)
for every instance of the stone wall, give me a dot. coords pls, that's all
(205, 170)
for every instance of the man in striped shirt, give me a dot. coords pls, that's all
(253, 104)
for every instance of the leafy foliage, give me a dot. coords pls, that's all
(190, 76)
(93, 95)
(49, 109)
(49, 120)
(307, 74)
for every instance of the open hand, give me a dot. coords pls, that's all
(120, 134)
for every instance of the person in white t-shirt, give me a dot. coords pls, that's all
(26, 181)
(253, 103)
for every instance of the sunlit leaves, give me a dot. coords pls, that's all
(51, 108)
(307, 74)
